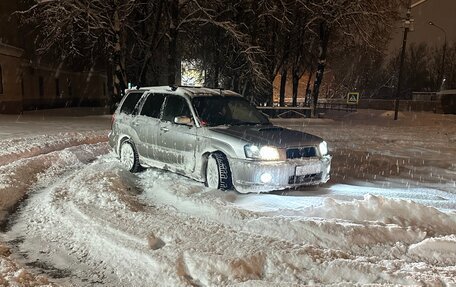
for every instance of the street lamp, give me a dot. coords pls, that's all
(407, 27)
(442, 69)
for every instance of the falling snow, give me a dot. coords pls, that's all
(387, 216)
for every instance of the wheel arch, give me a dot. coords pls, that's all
(120, 140)
(204, 161)
(211, 146)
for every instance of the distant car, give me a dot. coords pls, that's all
(214, 136)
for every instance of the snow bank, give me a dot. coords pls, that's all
(438, 250)
(403, 213)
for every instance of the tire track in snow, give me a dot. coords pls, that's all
(30, 172)
(15, 149)
(378, 237)
(25, 160)
(69, 203)
(306, 226)
(92, 223)
(93, 215)
(97, 215)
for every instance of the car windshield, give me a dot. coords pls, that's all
(227, 110)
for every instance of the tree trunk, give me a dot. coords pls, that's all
(235, 80)
(216, 63)
(153, 45)
(295, 81)
(308, 91)
(172, 48)
(120, 81)
(283, 83)
(215, 77)
(324, 39)
(245, 90)
(113, 98)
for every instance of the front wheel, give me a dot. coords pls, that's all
(129, 157)
(218, 174)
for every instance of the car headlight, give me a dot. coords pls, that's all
(264, 152)
(323, 147)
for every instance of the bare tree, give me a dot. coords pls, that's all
(423, 66)
(242, 44)
(348, 22)
(90, 29)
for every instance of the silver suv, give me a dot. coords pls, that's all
(216, 137)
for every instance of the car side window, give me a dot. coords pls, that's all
(175, 106)
(130, 102)
(152, 106)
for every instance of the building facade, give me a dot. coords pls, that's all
(29, 81)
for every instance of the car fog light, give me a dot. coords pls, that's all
(266, 177)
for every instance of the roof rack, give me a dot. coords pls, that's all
(174, 87)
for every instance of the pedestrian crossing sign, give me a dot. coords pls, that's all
(353, 98)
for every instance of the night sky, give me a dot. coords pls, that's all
(441, 12)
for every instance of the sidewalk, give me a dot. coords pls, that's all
(53, 121)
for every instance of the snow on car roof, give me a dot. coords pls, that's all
(186, 90)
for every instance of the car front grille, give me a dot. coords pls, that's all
(308, 178)
(293, 153)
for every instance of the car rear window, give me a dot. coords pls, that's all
(129, 104)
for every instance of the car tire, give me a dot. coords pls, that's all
(129, 156)
(218, 174)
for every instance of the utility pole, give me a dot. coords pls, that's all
(407, 26)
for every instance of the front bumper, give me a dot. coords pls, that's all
(263, 176)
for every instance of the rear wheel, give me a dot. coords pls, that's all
(218, 174)
(129, 157)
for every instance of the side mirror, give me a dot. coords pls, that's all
(183, 120)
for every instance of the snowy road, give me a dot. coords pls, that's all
(388, 216)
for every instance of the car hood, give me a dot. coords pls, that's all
(269, 135)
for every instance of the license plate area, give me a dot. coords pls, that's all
(311, 168)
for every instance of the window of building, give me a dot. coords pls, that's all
(1, 80)
(41, 86)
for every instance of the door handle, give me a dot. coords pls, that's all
(164, 129)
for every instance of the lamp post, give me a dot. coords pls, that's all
(442, 69)
(407, 25)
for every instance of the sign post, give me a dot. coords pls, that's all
(352, 98)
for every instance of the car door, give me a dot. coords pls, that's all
(127, 115)
(147, 124)
(177, 142)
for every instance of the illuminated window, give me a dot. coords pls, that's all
(1, 80)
